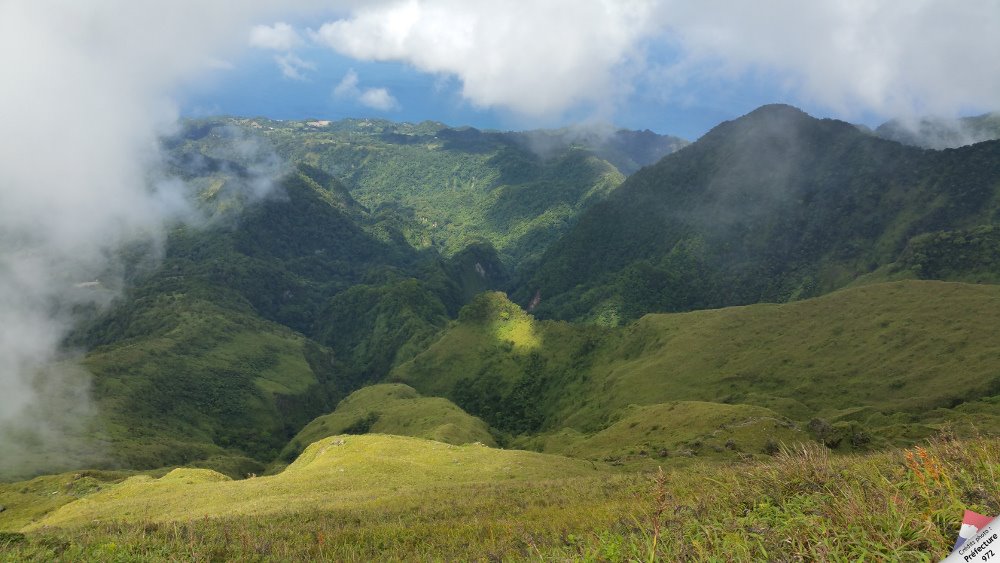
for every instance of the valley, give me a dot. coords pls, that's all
(396, 340)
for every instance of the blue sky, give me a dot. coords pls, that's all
(255, 86)
(669, 66)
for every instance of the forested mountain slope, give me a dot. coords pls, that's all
(771, 207)
(296, 287)
(446, 188)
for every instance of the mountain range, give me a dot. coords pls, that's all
(621, 298)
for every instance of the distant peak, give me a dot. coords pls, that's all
(777, 109)
(769, 120)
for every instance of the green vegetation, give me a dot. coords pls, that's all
(27, 501)
(393, 409)
(676, 433)
(768, 315)
(876, 365)
(475, 503)
(446, 188)
(772, 207)
(332, 474)
(294, 293)
(249, 330)
(205, 381)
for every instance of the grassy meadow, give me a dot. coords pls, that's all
(397, 409)
(869, 367)
(363, 498)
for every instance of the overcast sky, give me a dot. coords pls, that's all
(671, 66)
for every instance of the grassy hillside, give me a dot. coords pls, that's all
(335, 474)
(363, 498)
(867, 366)
(27, 501)
(393, 409)
(675, 433)
(771, 207)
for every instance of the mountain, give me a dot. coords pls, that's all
(941, 133)
(765, 324)
(296, 293)
(257, 322)
(208, 356)
(447, 188)
(309, 276)
(771, 207)
(393, 409)
(872, 366)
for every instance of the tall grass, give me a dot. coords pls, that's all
(804, 504)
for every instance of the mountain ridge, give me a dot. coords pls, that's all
(772, 206)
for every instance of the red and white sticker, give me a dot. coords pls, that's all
(978, 540)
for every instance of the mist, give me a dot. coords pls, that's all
(942, 133)
(85, 102)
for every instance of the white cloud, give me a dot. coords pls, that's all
(536, 58)
(378, 98)
(292, 67)
(541, 58)
(348, 86)
(278, 37)
(891, 58)
(375, 98)
(282, 37)
(83, 104)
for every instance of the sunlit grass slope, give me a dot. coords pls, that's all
(332, 474)
(26, 501)
(802, 504)
(657, 434)
(394, 409)
(875, 364)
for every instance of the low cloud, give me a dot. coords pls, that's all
(292, 67)
(277, 37)
(84, 104)
(375, 98)
(281, 36)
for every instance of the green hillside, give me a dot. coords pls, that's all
(285, 302)
(250, 328)
(720, 357)
(393, 409)
(874, 365)
(676, 433)
(293, 293)
(364, 498)
(770, 207)
(333, 474)
(203, 379)
(446, 188)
